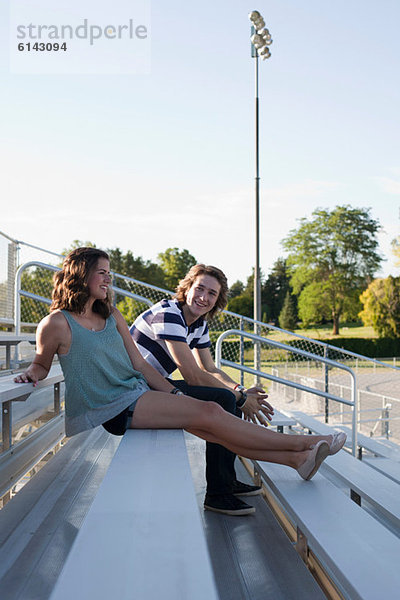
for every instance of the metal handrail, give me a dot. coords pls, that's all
(324, 345)
(19, 292)
(353, 403)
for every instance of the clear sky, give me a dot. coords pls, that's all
(150, 161)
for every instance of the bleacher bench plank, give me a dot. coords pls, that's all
(358, 552)
(16, 391)
(142, 537)
(386, 466)
(372, 485)
(39, 525)
(376, 446)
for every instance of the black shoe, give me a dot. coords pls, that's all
(243, 489)
(228, 505)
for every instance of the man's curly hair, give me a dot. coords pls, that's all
(71, 290)
(186, 283)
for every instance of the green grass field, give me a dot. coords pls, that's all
(325, 332)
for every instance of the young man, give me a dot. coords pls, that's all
(173, 334)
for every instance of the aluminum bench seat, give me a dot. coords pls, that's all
(39, 525)
(386, 466)
(359, 553)
(142, 537)
(374, 445)
(364, 482)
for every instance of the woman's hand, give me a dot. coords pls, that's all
(32, 374)
(26, 378)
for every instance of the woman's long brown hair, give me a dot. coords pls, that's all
(71, 290)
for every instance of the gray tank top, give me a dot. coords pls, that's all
(98, 373)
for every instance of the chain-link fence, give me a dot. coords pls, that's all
(8, 266)
(378, 383)
(14, 253)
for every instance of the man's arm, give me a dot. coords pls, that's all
(198, 368)
(155, 380)
(205, 361)
(191, 372)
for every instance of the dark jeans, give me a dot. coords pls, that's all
(220, 470)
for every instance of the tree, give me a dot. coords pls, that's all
(274, 291)
(77, 244)
(236, 289)
(314, 304)
(175, 264)
(336, 253)
(381, 302)
(396, 250)
(242, 305)
(135, 267)
(131, 308)
(288, 314)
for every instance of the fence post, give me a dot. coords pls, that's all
(12, 263)
(57, 398)
(341, 405)
(326, 386)
(385, 417)
(257, 355)
(241, 327)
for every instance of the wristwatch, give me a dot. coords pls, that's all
(177, 392)
(243, 395)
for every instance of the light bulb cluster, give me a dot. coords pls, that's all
(261, 39)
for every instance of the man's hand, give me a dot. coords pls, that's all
(256, 408)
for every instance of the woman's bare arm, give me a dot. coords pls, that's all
(50, 335)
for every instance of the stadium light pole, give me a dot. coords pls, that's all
(260, 40)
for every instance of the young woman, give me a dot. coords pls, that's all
(109, 383)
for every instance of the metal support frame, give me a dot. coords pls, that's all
(57, 398)
(6, 425)
(302, 545)
(23, 456)
(355, 497)
(8, 356)
(257, 476)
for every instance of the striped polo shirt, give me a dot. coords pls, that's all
(165, 321)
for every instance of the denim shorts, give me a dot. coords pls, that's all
(120, 423)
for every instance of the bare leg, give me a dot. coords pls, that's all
(157, 410)
(291, 458)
